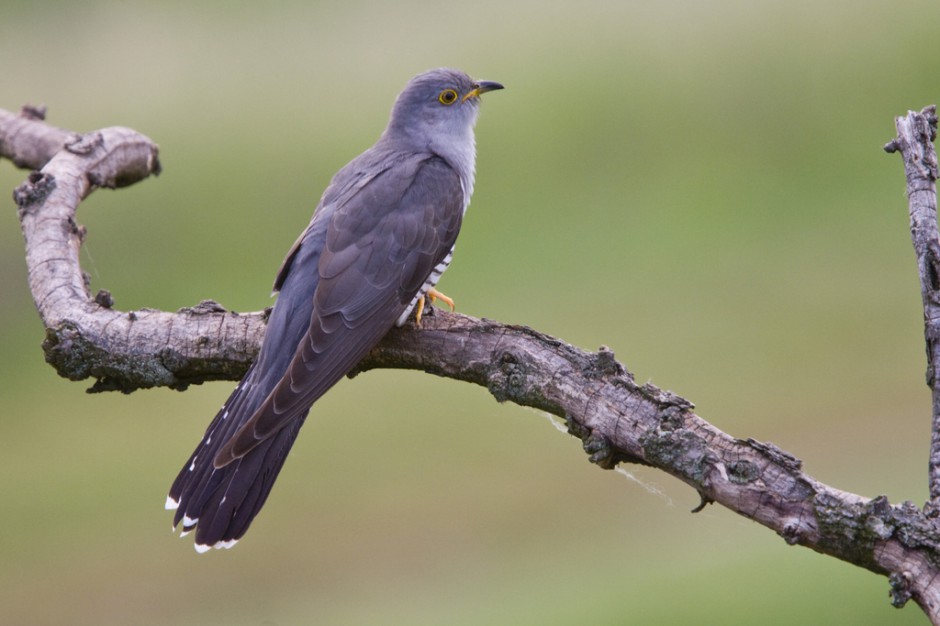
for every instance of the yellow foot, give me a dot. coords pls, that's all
(432, 295)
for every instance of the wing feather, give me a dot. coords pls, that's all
(381, 246)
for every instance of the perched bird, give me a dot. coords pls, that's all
(380, 238)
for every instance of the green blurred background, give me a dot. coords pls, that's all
(698, 185)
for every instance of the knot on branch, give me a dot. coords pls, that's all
(33, 112)
(33, 192)
(83, 145)
(671, 418)
(900, 588)
(104, 299)
(205, 307)
(743, 471)
(600, 449)
(674, 446)
(792, 534)
(604, 363)
(507, 381)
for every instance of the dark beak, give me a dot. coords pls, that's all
(481, 87)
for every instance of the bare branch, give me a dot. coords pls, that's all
(916, 134)
(27, 141)
(85, 337)
(616, 419)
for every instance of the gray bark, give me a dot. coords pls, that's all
(916, 134)
(618, 420)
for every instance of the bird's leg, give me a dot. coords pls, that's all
(432, 295)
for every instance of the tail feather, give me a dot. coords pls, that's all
(243, 490)
(220, 503)
(196, 480)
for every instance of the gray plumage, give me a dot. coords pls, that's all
(380, 238)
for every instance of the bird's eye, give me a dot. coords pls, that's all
(447, 97)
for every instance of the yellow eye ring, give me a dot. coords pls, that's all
(447, 97)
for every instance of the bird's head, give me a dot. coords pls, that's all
(438, 106)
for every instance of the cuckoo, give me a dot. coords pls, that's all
(380, 238)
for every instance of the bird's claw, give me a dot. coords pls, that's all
(431, 295)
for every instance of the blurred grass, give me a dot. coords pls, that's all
(699, 186)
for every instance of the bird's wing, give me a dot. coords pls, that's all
(381, 246)
(345, 185)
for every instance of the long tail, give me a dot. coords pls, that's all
(220, 503)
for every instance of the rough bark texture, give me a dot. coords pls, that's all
(916, 134)
(617, 419)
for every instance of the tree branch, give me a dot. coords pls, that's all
(916, 134)
(617, 419)
(85, 336)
